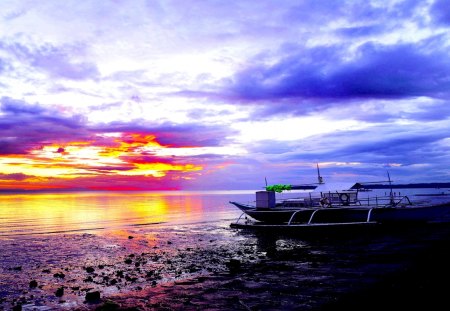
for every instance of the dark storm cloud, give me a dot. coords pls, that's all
(377, 71)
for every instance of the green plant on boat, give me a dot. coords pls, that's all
(278, 188)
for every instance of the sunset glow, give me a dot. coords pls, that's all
(123, 154)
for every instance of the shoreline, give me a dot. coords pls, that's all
(215, 267)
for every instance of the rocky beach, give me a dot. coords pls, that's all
(213, 267)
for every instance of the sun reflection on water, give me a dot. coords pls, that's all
(75, 212)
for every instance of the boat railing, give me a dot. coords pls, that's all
(386, 201)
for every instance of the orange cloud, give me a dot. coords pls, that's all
(112, 157)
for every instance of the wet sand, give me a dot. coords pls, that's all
(214, 267)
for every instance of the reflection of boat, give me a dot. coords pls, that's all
(338, 209)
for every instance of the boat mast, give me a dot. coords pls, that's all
(319, 178)
(391, 195)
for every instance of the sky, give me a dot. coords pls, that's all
(218, 94)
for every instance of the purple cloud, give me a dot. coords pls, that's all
(440, 11)
(56, 61)
(378, 71)
(24, 127)
(175, 135)
(15, 176)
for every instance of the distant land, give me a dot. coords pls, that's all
(398, 186)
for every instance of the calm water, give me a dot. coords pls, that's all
(28, 214)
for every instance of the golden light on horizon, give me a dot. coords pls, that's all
(130, 154)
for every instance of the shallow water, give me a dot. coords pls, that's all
(29, 214)
(175, 250)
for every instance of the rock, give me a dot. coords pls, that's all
(90, 269)
(59, 275)
(128, 261)
(59, 292)
(92, 296)
(130, 237)
(33, 284)
(17, 308)
(18, 268)
(234, 265)
(88, 279)
(108, 306)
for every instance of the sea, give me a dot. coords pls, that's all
(51, 213)
(65, 212)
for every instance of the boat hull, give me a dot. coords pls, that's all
(412, 214)
(350, 214)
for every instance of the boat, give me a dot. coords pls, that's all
(342, 208)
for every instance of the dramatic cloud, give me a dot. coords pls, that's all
(376, 71)
(52, 148)
(216, 94)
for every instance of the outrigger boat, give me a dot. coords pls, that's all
(338, 209)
